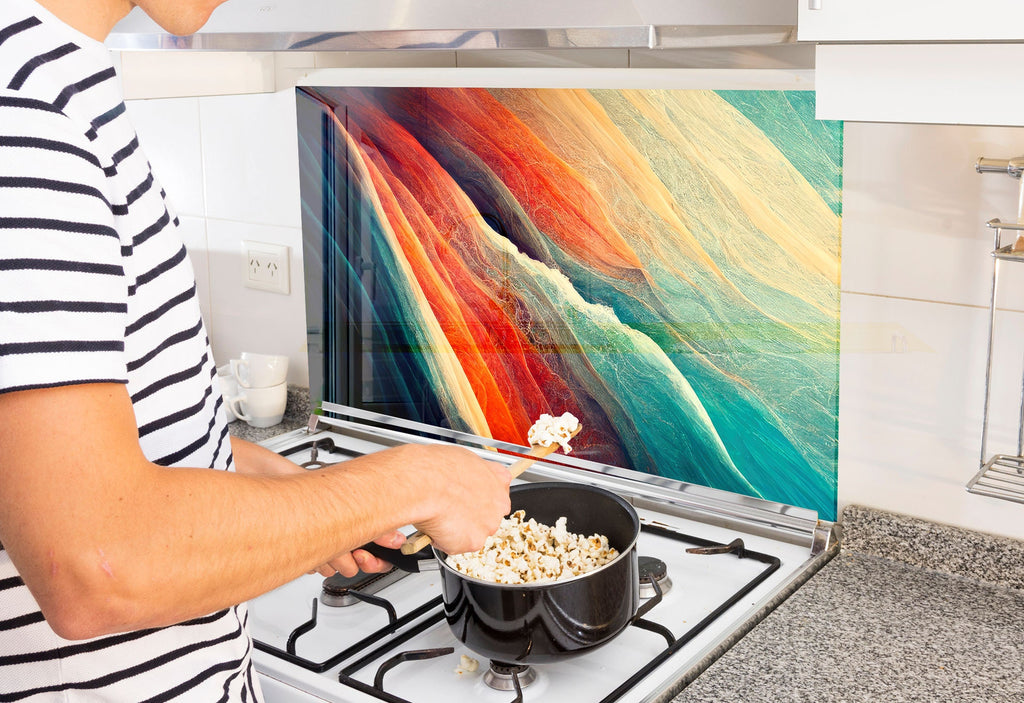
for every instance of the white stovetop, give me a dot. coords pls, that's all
(700, 584)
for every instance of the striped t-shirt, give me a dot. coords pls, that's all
(95, 286)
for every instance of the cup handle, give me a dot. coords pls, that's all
(240, 370)
(235, 403)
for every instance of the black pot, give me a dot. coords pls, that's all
(543, 622)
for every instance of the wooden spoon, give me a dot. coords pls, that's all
(418, 540)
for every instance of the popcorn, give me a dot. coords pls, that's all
(550, 430)
(467, 665)
(525, 551)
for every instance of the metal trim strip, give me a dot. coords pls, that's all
(626, 37)
(643, 36)
(777, 518)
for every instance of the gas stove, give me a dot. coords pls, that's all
(713, 564)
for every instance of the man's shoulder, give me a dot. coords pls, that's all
(27, 115)
(27, 123)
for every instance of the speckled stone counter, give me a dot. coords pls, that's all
(997, 560)
(296, 415)
(908, 611)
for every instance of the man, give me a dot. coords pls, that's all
(124, 555)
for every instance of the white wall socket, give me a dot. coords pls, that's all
(265, 266)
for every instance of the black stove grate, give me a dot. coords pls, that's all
(771, 563)
(432, 613)
(356, 648)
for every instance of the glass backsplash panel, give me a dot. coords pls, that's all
(664, 264)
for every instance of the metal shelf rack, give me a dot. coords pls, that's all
(1001, 475)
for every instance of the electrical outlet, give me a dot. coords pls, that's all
(265, 267)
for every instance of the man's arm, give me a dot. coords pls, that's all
(107, 541)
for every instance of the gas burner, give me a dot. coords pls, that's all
(321, 444)
(340, 591)
(501, 676)
(314, 463)
(653, 568)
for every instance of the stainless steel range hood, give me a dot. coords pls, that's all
(358, 25)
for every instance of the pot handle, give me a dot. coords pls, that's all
(650, 603)
(414, 563)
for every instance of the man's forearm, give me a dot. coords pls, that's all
(224, 538)
(251, 458)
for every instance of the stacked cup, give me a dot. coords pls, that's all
(262, 392)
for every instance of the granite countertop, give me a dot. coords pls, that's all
(909, 610)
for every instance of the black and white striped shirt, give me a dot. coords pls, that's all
(95, 286)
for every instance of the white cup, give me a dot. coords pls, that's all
(228, 387)
(260, 370)
(260, 407)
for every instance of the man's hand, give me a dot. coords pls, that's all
(351, 563)
(467, 496)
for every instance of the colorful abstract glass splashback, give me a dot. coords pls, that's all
(664, 264)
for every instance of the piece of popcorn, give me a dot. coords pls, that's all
(550, 430)
(467, 664)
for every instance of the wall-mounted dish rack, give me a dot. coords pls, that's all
(1001, 475)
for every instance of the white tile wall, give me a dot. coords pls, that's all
(914, 211)
(250, 158)
(910, 413)
(916, 281)
(162, 74)
(916, 277)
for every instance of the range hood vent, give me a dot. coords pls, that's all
(463, 25)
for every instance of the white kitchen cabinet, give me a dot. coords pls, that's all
(974, 84)
(910, 20)
(926, 61)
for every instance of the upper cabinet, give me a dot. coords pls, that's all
(935, 61)
(910, 20)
